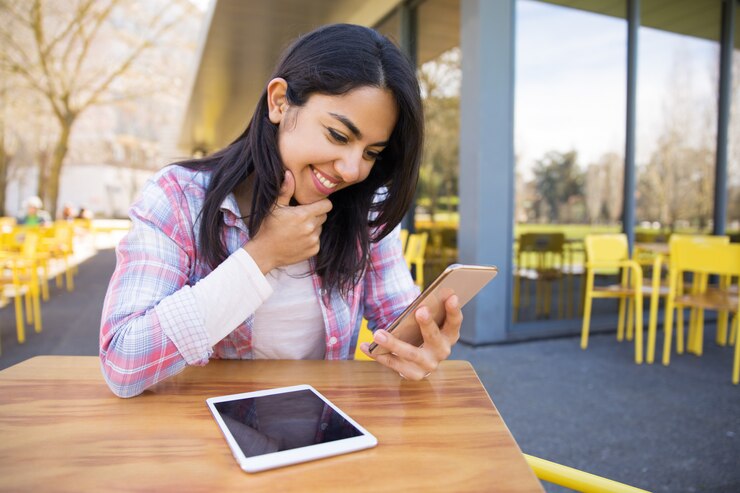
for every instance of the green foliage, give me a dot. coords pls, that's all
(559, 185)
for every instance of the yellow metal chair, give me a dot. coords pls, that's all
(414, 255)
(540, 257)
(20, 272)
(703, 260)
(404, 239)
(59, 246)
(365, 336)
(575, 479)
(606, 254)
(657, 286)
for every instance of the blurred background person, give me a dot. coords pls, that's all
(35, 214)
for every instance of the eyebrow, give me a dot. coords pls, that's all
(353, 128)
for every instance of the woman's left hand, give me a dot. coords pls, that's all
(416, 363)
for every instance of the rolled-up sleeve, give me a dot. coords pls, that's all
(151, 327)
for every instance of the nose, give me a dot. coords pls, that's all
(349, 167)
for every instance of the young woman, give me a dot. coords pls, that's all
(278, 245)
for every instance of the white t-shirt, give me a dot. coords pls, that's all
(288, 320)
(289, 324)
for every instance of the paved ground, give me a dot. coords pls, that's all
(674, 429)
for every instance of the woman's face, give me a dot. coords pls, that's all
(332, 142)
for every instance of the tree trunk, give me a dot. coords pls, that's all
(55, 171)
(3, 174)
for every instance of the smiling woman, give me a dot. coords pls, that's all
(278, 245)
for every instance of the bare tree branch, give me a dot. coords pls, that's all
(105, 84)
(87, 42)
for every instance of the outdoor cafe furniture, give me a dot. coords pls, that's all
(19, 271)
(540, 257)
(609, 253)
(703, 259)
(658, 255)
(63, 430)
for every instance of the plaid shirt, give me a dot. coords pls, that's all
(151, 327)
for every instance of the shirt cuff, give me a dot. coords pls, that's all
(230, 294)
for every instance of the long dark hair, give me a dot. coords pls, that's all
(331, 60)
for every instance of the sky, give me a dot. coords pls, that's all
(571, 82)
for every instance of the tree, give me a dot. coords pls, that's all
(439, 81)
(604, 186)
(559, 185)
(55, 48)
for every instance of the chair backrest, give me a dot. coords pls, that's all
(416, 248)
(404, 239)
(541, 250)
(701, 239)
(541, 242)
(712, 257)
(30, 244)
(602, 250)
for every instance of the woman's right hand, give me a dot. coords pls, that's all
(289, 234)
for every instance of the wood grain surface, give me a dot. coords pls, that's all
(61, 429)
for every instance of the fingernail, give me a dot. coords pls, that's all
(380, 336)
(454, 301)
(423, 313)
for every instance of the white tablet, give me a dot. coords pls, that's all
(288, 425)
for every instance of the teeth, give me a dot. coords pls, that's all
(324, 181)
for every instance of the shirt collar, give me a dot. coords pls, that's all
(230, 209)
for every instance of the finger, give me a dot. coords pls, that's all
(319, 207)
(321, 219)
(434, 340)
(287, 189)
(398, 348)
(453, 319)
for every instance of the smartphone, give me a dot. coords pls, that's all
(463, 280)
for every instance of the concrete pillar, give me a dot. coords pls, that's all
(487, 161)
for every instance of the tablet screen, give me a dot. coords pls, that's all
(285, 421)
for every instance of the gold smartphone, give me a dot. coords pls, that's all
(463, 280)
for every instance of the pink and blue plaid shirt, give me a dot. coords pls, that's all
(151, 328)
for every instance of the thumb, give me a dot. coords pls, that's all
(287, 189)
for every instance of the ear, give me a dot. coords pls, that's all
(277, 102)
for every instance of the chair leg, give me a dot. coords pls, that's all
(29, 306)
(630, 319)
(680, 331)
(668, 329)
(587, 310)
(652, 324)
(45, 281)
(699, 329)
(722, 320)
(19, 325)
(36, 309)
(638, 326)
(620, 322)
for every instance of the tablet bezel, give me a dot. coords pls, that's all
(293, 456)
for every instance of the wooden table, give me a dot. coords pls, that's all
(61, 429)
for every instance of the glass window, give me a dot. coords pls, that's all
(678, 74)
(569, 142)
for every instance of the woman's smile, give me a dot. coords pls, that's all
(324, 184)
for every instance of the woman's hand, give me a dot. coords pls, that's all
(289, 234)
(416, 363)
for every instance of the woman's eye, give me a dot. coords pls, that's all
(337, 136)
(373, 156)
